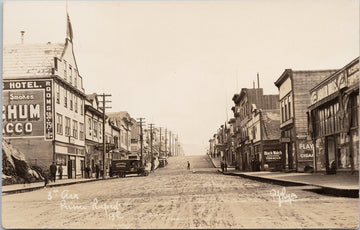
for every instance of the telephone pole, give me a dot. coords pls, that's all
(103, 107)
(170, 143)
(160, 144)
(165, 142)
(151, 141)
(141, 140)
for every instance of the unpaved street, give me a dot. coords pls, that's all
(174, 197)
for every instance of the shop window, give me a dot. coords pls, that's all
(60, 159)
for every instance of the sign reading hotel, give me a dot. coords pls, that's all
(27, 109)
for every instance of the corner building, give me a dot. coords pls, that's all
(43, 105)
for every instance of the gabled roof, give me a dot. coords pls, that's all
(30, 60)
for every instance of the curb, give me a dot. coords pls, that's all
(352, 193)
(22, 190)
(212, 162)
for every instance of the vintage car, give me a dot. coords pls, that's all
(163, 161)
(122, 168)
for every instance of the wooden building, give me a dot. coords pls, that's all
(334, 120)
(242, 113)
(294, 100)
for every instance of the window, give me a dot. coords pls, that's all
(65, 68)
(95, 128)
(67, 126)
(75, 77)
(71, 101)
(76, 104)
(70, 74)
(354, 111)
(81, 107)
(90, 126)
(58, 93)
(59, 123)
(286, 108)
(75, 129)
(81, 131)
(65, 98)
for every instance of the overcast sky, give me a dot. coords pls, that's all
(178, 63)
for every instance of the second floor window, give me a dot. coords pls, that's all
(286, 108)
(70, 74)
(81, 131)
(90, 126)
(67, 126)
(76, 104)
(95, 129)
(59, 123)
(75, 129)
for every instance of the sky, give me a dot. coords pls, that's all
(179, 63)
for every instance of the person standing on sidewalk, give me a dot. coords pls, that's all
(225, 166)
(222, 166)
(188, 165)
(97, 171)
(60, 171)
(53, 170)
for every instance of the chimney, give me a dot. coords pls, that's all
(258, 80)
(22, 36)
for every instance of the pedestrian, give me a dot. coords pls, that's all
(225, 166)
(53, 170)
(87, 171)
(60, 171)
(97, 171)
(188, 165)
(222, 166)
(46, 178)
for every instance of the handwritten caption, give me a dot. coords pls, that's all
(282, 196)
(68, 201)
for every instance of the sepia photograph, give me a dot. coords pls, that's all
(180, 114)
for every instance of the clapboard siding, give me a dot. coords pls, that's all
(303, 81)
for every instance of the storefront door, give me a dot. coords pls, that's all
(330, 152)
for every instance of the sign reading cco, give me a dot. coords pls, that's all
(27, 109)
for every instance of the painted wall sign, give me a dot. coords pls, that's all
(305, 150)
(272, 155)
(27, 109)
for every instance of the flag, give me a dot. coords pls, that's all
(69, 32)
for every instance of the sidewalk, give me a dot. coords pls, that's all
(341, 184)
(18, 188)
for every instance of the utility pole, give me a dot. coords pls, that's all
(165, 142)
(103, 107)
(160, 144)
(151, 142)
(170, 143)
(141, 141)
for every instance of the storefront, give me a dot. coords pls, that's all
(333, 120)
(72, 159)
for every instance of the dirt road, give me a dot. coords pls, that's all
(174, 197)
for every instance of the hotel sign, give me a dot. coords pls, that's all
(27, 109)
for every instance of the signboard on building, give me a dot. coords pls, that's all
(27, 109)
(272, 155)
(305, 150)
(332, 86)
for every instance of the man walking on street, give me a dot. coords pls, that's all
(188, 165)
(60, 171)
(53, 170)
